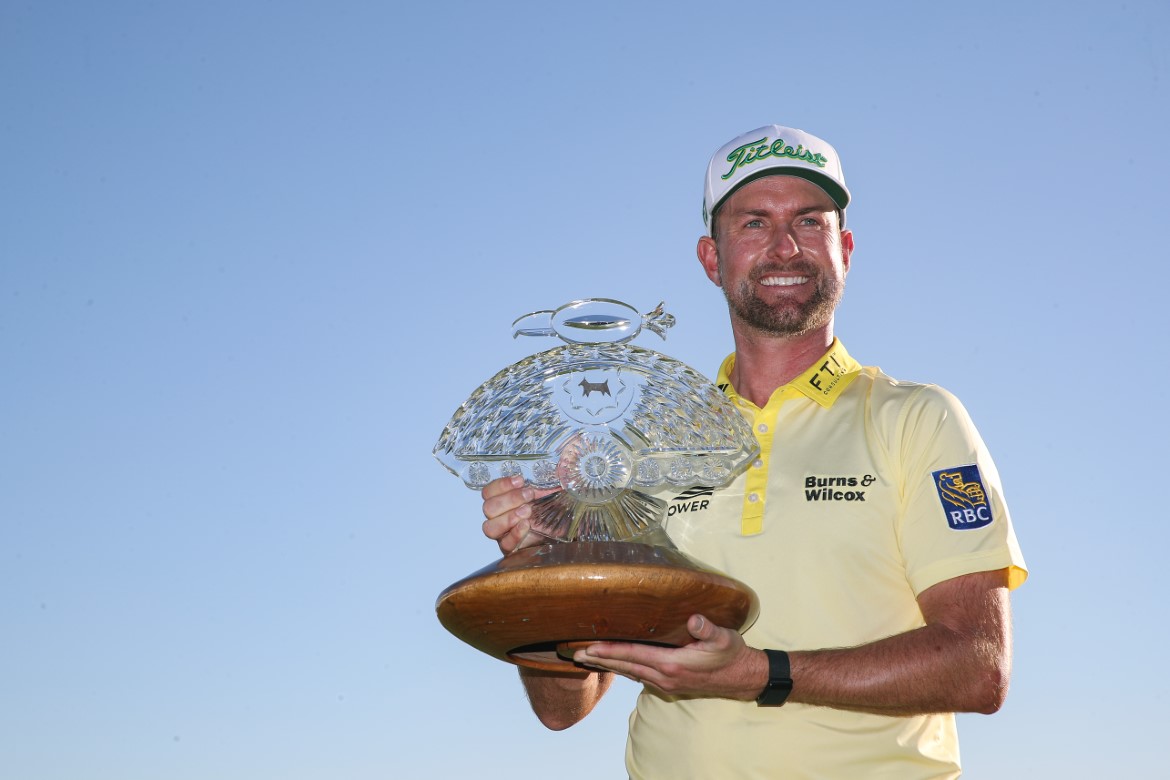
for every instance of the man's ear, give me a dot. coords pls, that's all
(709, 258)
(846, 249)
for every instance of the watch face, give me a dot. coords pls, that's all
(775, 694)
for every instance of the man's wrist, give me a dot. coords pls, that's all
(779, 683)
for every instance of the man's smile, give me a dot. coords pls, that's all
(783, 281)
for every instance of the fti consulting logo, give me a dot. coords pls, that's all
(963, 498)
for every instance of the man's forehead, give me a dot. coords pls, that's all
(777, 189)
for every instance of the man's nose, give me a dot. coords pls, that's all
(783, 245)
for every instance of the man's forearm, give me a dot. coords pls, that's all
(935, 668)
(561, 699)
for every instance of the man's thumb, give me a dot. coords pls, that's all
(699, 627)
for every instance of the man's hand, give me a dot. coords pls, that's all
(718, 663)
(507, 505)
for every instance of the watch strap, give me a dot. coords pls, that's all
(779, 684)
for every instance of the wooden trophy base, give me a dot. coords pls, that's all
(527, 605)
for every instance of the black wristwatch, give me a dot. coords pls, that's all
(779, 680)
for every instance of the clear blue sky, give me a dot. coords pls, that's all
(254, 254)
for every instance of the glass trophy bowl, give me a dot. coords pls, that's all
(607, 427)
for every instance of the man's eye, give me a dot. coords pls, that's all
(754, 223)
(810, 221)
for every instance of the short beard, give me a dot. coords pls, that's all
(790, 319)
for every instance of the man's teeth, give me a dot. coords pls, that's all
(783, 281)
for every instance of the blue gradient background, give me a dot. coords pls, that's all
(254, 254)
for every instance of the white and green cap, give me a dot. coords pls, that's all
(772, 150)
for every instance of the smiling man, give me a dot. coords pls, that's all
(872, 526)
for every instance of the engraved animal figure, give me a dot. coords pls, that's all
(961, 493)
(599, 387)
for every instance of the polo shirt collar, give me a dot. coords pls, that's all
(823, 382)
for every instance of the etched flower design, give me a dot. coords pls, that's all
(595, 468)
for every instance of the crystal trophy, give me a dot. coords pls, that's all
(607, 427)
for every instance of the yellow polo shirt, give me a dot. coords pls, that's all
(867, 491)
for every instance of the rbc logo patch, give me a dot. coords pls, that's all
(964, 501)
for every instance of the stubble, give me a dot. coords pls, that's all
(786, 318)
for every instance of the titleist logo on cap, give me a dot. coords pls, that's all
(760, 150)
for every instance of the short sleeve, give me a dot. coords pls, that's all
(954, 518)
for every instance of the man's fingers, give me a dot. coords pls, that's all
(512, 500)
(498, 487)
(507, 507)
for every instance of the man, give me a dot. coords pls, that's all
(872, 526)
